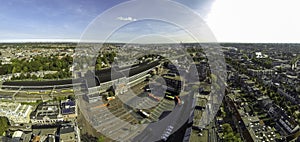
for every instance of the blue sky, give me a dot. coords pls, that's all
(229, 20)
(49, 19)
(61, 19)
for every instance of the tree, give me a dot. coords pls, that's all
(229, 134)
(4, 125)
(22, 76)
(101, 139)
(71, 97)
(41, 68)
(111, 93)
(98, 66)
(25, 69)
(34, 77)
(227, 128)
(7, 68)
(14, 70)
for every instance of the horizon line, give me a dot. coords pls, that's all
(97, 41)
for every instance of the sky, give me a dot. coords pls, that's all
(273, 21)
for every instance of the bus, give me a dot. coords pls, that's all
(154, 97)
(144, 114)
(170, 97)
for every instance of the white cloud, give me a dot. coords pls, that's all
(126, 18)
(255, 20)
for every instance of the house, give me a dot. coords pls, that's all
(91, 98)
(202, 69)
(258, 73)
(17, 136)
(68, 109)
(67, 134)
(46, 113)
(173, 82)
(284, 123)
(264, 102)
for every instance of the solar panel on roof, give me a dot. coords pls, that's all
(70, 103)
(68, 111)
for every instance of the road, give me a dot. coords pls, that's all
(176, 119)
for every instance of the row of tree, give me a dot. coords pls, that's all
(57, 75)
(107, 59)
(38, 63)
(229, 135)
(265, 62)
